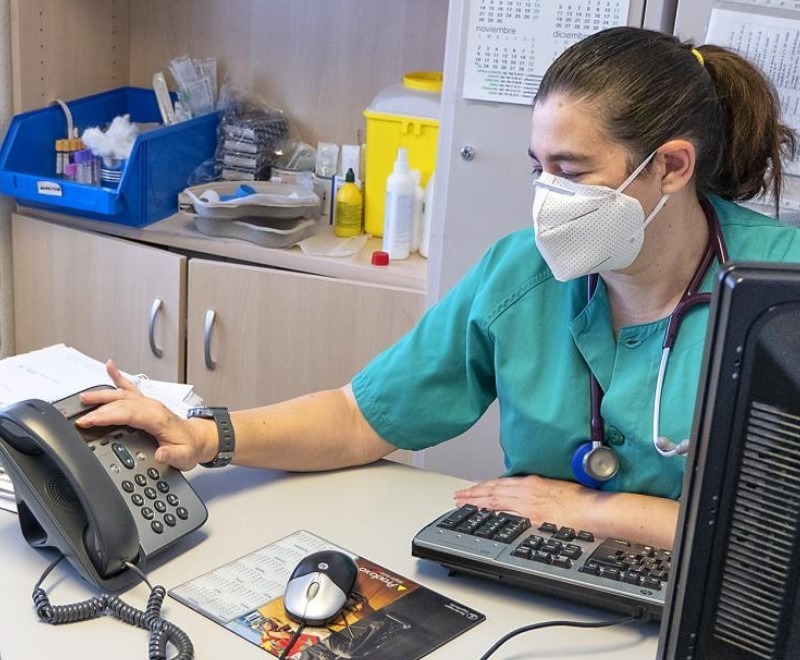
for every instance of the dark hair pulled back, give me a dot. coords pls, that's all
(649, 88)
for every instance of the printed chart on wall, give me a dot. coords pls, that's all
(388, 617)
(771, 40)
(510, 43)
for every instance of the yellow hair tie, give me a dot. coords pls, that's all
(699, 56)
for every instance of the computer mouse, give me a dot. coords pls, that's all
(319, 587)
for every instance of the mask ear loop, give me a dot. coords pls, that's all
(636, 172)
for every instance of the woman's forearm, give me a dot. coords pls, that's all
(319, 431)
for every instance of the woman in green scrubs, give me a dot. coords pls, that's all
(637, 169)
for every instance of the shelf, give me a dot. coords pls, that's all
(177, 232)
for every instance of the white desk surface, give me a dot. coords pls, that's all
(373, 511)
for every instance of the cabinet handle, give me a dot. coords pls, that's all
(151, 330)
(211, 363)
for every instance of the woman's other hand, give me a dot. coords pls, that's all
(641, 518)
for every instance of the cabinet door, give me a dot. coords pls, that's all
(257, 336)
(99, 295)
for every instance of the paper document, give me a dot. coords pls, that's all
(59, 371)
(510, 43)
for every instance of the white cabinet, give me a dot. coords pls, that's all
(106, 297)
(244, 335)
(258, 335)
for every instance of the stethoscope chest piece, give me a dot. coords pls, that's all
(593, 464)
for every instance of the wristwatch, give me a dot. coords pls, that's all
(225, 430)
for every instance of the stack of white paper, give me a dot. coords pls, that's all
(59, 371)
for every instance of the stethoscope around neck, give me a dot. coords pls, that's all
(595, 462)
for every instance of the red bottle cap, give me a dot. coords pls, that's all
(380, 258)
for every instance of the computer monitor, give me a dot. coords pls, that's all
(736, 570)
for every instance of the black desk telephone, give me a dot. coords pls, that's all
(96, 495)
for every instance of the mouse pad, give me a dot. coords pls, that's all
(388, 616)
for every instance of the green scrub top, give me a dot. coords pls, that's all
(510, 331)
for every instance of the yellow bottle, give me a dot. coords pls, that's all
(349, 208)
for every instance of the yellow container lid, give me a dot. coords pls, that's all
(419, 95)
(424, 81)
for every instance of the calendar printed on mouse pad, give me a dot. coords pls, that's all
(388, 617)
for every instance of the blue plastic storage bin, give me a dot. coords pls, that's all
(158, 168)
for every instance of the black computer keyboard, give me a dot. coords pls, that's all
(613, 574)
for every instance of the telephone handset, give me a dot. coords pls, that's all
(97, 495)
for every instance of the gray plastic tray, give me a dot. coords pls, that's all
(271, 233)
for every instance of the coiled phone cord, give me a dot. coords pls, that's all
(161, 630)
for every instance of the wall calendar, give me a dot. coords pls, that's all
(510, 43)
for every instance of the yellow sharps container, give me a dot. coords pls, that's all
(402, 115)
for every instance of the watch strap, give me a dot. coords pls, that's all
(227, 440)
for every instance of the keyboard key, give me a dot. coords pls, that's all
(651, 583)
(552, 546)
(585, 536)
(512, 529)
(488, 530)
(591, 568)
(522, 551)
(572, 551)
(458, 516)
(548, 528)
(542, 556)
(565, 534)
(631, 578)
(610, 573)
(534, 541)
(562, 562)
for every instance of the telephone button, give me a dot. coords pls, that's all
(123, 455)
(153, 474)
(163, 486)
(150, 493)
(147, 512)
(140, 479)
(157, 526)
(182, 512)
(137, 499)
(159, 506)
(127, 486)
(170, 519)
(173, 499)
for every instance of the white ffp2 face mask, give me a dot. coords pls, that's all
(582, 229)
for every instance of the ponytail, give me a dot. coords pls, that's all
(755, 141)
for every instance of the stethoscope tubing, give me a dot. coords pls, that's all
(691, 297)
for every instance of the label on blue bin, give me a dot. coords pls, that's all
(49, 188)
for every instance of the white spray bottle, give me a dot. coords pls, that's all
(398, 216)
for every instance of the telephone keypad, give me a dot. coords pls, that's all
(164, 505)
